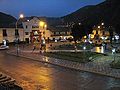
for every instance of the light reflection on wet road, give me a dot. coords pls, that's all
(33, 75)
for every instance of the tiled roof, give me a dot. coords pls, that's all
(58, 28)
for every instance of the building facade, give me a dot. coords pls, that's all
(61, 32)
(9, 34)
(99, 34)
(35, 30)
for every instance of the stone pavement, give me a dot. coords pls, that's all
(100, 65)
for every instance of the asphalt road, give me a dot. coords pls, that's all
(33, 75)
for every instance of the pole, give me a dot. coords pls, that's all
(17, 36)
(114, 53)
(114, 57)
(17, 40)
(23, 39)
(84, 51)
(17, 50)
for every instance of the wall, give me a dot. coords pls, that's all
(11, 34)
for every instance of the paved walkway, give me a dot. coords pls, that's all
(100, 65)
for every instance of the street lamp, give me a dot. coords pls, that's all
(17, 35)
(42, 23)
(102, 24)
(20, 17)
(84, 50)
(114, 53)
(98, 27)
(42, 26)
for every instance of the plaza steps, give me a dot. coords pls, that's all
(7, 83)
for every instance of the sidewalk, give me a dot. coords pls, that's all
(100, 65)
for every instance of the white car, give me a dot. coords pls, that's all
(63, 40)
(2, 47)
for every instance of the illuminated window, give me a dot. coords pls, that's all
(62, 32)
(35, 32)
(57, 33)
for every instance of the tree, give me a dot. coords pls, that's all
(111, 33)
(80, 30)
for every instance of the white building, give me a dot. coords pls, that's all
(10, 34)
(35, 29)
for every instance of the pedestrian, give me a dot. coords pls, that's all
(40, 49)
(34, 47)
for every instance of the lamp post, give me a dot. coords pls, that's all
(114, 53)
(84, 48)
(17, 35)
(42, 26)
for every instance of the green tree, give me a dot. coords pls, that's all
(80, 30)
(111, 29)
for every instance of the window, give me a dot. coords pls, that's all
(57, 33)
(96, 32)
(62, 32)
(26, 33)
(16, 32)
(54, 33)
(26, 26)
(4, 33)
(103, 32)
(35, 26)
(44, 32)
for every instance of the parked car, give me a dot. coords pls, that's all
(2, 47)
(63, 40)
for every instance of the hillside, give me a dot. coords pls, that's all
(107, 11)
(6, 20)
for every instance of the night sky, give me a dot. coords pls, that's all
(51, 8)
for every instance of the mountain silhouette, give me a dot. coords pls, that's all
(107, 11)
(7, 20)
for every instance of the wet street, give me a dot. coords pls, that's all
(34, 75)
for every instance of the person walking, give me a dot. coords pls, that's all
(34, 47)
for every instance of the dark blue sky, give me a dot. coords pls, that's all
(52, 8)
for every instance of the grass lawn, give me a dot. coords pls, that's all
(82, 57)
(115, 64)
(71, 46)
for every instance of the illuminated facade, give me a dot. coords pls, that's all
(61, 32)
(35, 30)
(99, 34)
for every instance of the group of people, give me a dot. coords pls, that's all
(42, 48)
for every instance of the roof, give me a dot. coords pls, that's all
(30, 18)
(58, 28)
(12, 25)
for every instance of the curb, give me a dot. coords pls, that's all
(99, 73)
